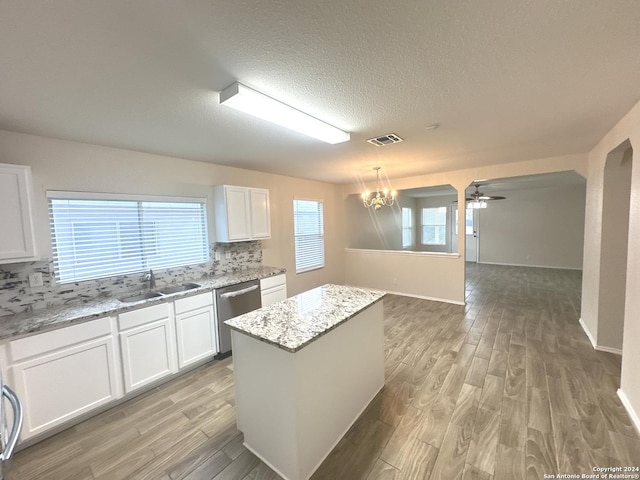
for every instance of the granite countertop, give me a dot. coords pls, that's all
(294, 323)
(25, 323)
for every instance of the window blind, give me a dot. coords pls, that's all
(95, 238)
(308, 226)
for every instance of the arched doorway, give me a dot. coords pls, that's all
(614, 246)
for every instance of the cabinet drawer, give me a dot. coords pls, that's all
(49, 341)
(273, 281)
(274, 295)
(196, 301)
(143, 315)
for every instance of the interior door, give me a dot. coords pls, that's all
(471, 235)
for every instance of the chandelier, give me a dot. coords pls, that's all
(379, 199)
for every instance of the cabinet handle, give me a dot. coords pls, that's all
(17, 422)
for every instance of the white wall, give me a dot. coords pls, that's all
(626, 130)
(613, 261)
(433, 276)
(538, 227)
(63, 165)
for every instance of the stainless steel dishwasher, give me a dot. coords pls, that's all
(230, 302)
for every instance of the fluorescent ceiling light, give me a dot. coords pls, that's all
(255, 103)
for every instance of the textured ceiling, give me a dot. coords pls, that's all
(507, 80)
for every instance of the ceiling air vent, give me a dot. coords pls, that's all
(383, 140)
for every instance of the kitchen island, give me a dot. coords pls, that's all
(305, 369)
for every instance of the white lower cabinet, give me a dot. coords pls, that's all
(273, 289)
(65, 373)
(62, 374)
(147, 345)
(195, 329)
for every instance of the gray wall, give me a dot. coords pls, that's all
(535, 227)
(381, 230)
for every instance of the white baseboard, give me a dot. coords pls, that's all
(632, 413)
(433, 299)
(615, 351)
(586, 330)
(528, 265)
(600, 348)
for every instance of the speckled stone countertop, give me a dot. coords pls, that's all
(296, 322)
(22, 324)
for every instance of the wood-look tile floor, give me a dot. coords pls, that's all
(507, 387)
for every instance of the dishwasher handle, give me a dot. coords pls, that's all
(237, 293)
(17, 422)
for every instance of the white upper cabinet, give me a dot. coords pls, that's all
(242, 213)
(260, 218)
(17, 241)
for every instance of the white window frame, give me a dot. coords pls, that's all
(141, 258)
(422, 225)
(406, 227)
(320, 254)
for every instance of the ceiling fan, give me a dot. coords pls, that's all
(478, 195)
(478, 199)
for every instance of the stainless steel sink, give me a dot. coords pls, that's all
(140, 297)
(179, 288)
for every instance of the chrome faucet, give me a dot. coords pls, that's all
(150, 277)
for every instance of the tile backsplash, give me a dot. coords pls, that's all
(17, 296)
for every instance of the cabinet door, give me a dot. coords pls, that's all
(273, 295)
(17, 242)
(260, 221)
(238, 213)
(59, 386)
(196, 334)
(148, 353)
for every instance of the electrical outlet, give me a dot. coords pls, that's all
(216, 256)
(227, 255)
(35, 280)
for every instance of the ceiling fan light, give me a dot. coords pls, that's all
(254, 103)
(476, 204)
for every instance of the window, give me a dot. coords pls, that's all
(468, 226)
(308, 228)
(99, 235)
(407, 227)
(434, 226)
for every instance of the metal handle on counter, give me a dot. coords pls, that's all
(17, 422)
(239, 292)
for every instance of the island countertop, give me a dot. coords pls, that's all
(294, 323)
